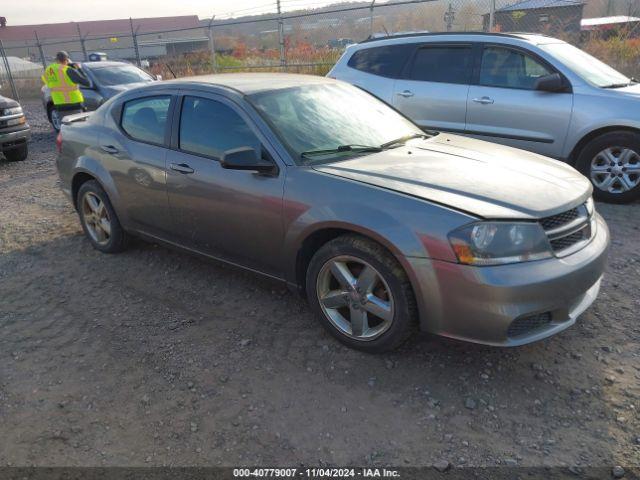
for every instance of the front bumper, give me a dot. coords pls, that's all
(14, 138)
(479, 304)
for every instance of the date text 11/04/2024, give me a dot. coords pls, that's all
(316, 472)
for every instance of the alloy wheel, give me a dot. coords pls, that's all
(96, 218)
(616, 169)
(355, 297)
(56, 120)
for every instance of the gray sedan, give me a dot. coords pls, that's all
(385, 228)
(107, 80)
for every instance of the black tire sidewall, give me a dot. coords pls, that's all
(403, 317)
(117, 241)
(595, 146)
(17, 154)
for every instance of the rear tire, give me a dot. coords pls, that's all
(99, 220)
(369, 304)
(612, 162)
(55, 119)
(17, 154)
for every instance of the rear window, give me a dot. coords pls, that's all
(444, 64)
(385, 61)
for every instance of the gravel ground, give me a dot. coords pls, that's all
(154, 357)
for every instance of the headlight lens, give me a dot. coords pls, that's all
(497, 243)
(12, 111)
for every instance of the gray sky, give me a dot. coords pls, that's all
(24, 12)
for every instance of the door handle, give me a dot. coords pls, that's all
(181, 167)
(484, 100)
(406, 93)
(109, 149)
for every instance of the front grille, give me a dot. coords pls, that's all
(555, 221)
(524, 325)
(567, 231)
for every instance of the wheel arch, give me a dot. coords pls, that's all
(573, 156)
(79, 178)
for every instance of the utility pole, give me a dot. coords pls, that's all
(492, 15)
(212, 46)
(42, 59)
(135, 42)
(283, 59)
(82, 44)
(371, 18)
(449, 17)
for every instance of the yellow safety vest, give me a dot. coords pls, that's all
(63, 90)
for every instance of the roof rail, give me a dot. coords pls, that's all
(437, 34)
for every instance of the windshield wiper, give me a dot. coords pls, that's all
(402, 140)
(618, 85)
(342, 148)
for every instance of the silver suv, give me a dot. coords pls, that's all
(527, 91)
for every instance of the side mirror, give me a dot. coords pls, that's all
(245, 158)
(549, 83)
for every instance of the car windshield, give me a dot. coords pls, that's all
(329, 122)
(589, 68)
(120, 75)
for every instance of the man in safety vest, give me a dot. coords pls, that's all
(63, 80)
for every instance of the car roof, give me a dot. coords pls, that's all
(249, 83)
(533, 38)
(105, 64)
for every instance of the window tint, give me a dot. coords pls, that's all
(450, 64)
(210, 128)
(502, 67)
(386, 61)
(145, 119)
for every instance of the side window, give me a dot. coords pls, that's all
(210, 128)
(444, 64)
(503, 67)
(145, 119)
(385, 61)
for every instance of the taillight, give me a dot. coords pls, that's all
(59, 142)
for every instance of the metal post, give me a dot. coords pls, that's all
(449, 17)
(492, 15)
(82, 44)
(214, 65)
(5, 60)
(371, 18)
(283, 59)
(135, 42)
(42, 59)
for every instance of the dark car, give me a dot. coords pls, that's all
(318, 184)
(107, 80)
(14, 130)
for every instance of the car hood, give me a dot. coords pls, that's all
(7, 102)
(481, 178)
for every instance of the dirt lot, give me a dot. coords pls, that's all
(154, 357)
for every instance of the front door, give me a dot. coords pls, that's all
(434, 87)
(505, 108)
(235, 215)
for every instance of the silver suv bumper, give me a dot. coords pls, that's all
(481, 304)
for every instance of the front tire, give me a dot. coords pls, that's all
(361, 294)
(612, 162)
(17, 154)
(99, 220)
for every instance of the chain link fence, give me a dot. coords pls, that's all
(310, 41)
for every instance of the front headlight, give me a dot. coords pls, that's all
(12, 111)
(497, 243)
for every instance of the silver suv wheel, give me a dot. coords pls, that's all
(616, 169)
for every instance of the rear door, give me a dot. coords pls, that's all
(504, 107)
(433, 90)
(133, 149)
